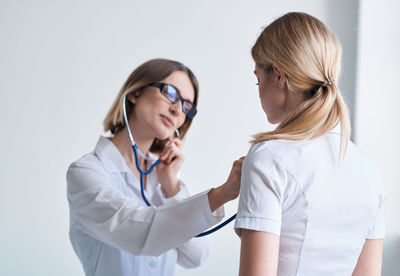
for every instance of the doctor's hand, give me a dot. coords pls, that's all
(167, 171)
(229, 190)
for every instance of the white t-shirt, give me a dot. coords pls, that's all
(323, 211)
(111, 228)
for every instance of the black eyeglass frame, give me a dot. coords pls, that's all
(189, 113)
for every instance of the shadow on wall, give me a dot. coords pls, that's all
(391, 256)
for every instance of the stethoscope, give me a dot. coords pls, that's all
(137, 152)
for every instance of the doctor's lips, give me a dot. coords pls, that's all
(167, 121)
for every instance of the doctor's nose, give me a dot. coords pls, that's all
(176, 108)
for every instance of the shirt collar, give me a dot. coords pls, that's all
(110, 156)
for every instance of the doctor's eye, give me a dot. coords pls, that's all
(257, 83)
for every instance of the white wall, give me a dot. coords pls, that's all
(62, 64)
(378, 113)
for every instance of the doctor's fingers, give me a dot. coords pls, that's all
(174, 143)
(175, 154)
(171, 145)
(177, 160)
(236, 171)
(171, 152)
(178, 142)
(174, 158)
(239, 163)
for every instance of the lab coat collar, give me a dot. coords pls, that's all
(110, 156)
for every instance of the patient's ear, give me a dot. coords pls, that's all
(280, 77)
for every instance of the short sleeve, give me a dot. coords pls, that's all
(261, 194)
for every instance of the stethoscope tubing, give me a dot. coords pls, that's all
(146, 172)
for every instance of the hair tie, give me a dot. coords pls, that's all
(327, 82)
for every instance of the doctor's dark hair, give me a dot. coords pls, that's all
(149, 72)
(309, 54)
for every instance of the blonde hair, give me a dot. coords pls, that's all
(310, 55)
(149, 72)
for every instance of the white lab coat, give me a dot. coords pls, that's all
(110, 225)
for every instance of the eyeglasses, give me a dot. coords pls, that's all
(172, 94)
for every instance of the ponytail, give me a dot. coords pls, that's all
(311, 61)
(312, 118)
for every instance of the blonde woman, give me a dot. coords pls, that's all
(311, 202)
(112, 230)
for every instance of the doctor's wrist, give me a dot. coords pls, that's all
(171, 190)
(216, 198)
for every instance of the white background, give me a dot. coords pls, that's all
(63, 62)
(378, 113)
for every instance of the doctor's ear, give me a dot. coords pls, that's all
(133, 96)
(281, 77)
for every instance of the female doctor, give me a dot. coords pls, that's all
(112, 230)
(311, 202)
